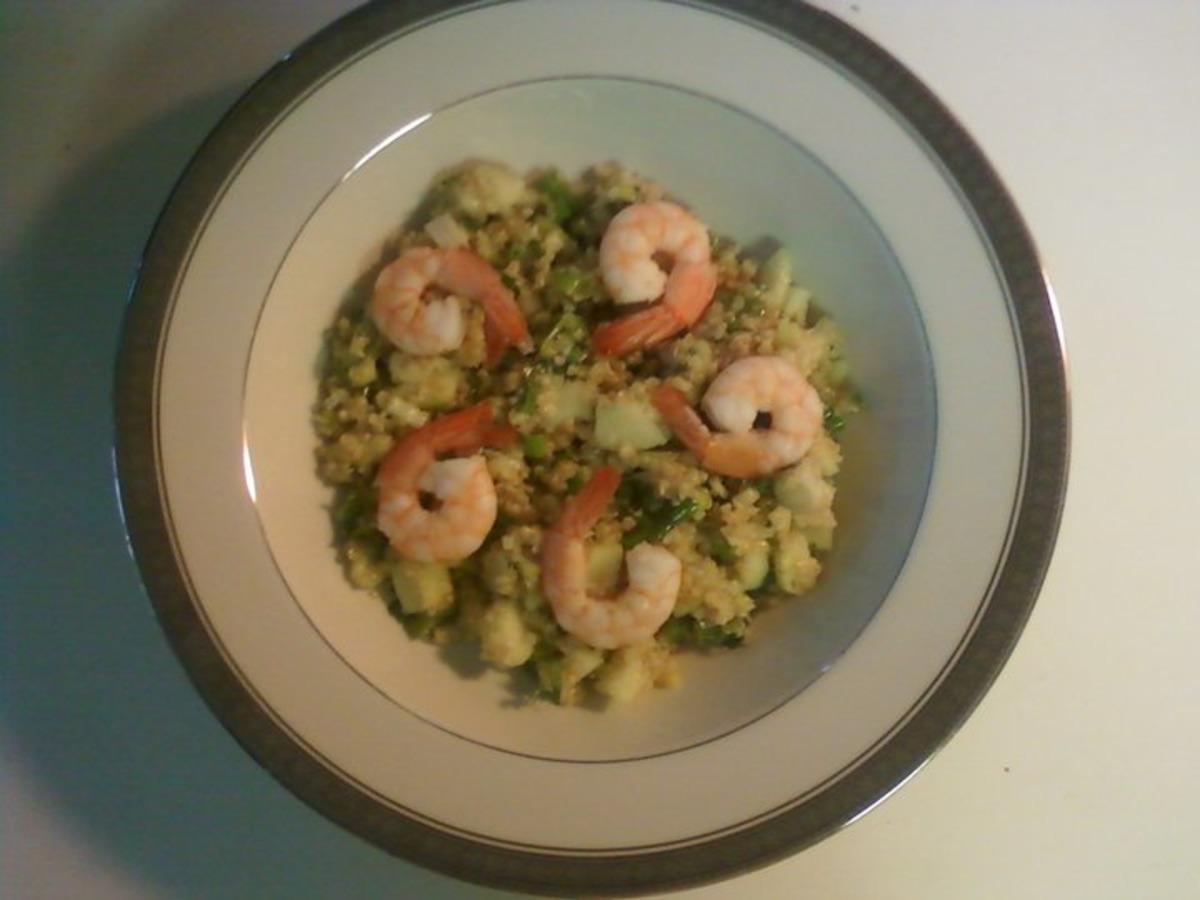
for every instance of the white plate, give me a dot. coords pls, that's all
(777, 121)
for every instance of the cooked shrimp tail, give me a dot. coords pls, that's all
(582, 511)
(440, 510)
(655, 324)
(455, 432)
(684, 421)
(742, 392)
(426, 324)
(469, 274)
(630, 250)
(633, 615)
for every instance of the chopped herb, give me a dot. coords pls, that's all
(354, 507)
(636, 496)
(768, 585)
(421, 625)
(565, 343)
(537, 446)
(567, 280)
(834, 421)
(687, 631)
(654, 526)
(764, 486)
(516, 250)
(562, 203)
(526, 401)
(716, 545)
(753, 308)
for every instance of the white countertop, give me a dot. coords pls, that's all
(1075, 777)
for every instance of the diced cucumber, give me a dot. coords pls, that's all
(361, 373)
(777, 278)
(795, 568)
(561, 402)
(752, 567)
(802, 489)
(629, 421)
(578, 662)
(422, 587)
(447, 232)
(795, 303)
(481, 188)
(504, 638)
(432, 383)
(625, 675)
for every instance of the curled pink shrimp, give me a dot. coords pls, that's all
(425, 325)
(743, 392)
(633, 615)
(440, 510)
(630, 251)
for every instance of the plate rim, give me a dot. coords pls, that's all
(1039, 505)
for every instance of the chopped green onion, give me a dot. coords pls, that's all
(753, 308)
(537, 446)
(768, 584)
(527, 397)
(562, 203)
(717, 547)
(688, 631)
(567, 280)
(764, 486)
(573, 284)
(654, 527)
(565, 343)
(834, 421)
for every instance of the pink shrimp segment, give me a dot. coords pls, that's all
(633, 615)
(628, 265)
(461, 488)
(427, 326)
(741, 392)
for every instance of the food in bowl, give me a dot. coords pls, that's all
(563, 421)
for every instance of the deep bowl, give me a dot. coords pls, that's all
(949, 500)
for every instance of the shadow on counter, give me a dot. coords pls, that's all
(95, 703)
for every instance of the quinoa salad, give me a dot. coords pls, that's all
(562, 421)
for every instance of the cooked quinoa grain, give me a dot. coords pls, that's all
(742, 542)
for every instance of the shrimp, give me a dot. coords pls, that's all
(633, 615)
(428, 326)
(741, 393)
(455, 522)
(629, 251)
